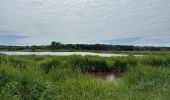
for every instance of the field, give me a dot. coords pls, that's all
(68, 77)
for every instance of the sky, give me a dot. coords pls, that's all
(120, 22)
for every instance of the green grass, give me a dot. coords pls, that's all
(66, 77)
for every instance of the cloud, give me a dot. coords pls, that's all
(84, 21)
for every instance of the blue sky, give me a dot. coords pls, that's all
(11, 39)
(142, 41)
(125, 22)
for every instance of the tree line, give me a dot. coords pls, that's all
(59, 46)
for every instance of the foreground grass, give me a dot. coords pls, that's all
(65, 78)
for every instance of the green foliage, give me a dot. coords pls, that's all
(23, 90)
(66, 77)
(63, 74)
(4, 77)
(17, 63)
(58, 46)
(87, 64)
(47, 66)
(157, 60)
(147, 78)
(122, 64)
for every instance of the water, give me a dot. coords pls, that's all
(63, 53)
(106, 77)
(66, 53)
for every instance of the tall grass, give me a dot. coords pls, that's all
(90, 64)
(66, 77)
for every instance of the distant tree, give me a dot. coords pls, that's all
(33, 48)
(53, 44)
(56, 45)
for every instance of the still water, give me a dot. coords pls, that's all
(63, 53)
(106, 77)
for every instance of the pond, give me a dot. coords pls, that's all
(65, 53)
(106, 77)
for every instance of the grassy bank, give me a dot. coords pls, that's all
(97, 51)
(66, 77)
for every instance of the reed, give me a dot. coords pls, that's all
(66, 77)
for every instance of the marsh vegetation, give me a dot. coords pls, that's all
(34, 77)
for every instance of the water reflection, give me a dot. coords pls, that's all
(65, 53)
(106, 77)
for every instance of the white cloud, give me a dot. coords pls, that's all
(85, 21)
